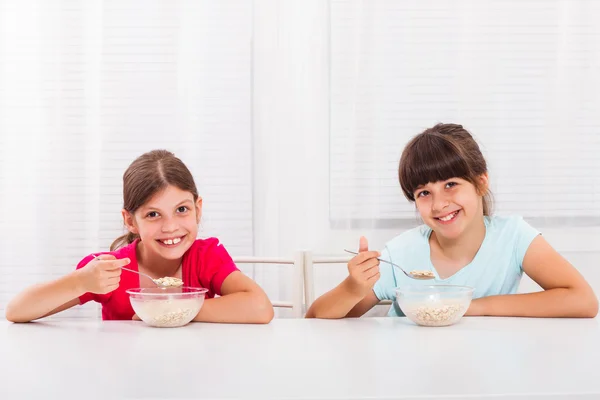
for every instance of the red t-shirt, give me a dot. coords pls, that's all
(206, 264)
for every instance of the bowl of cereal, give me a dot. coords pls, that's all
(434, 305)
(167, 307)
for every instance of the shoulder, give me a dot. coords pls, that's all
(511, 225)
(504, 221)
(208, 248)
(208, 260)
(512, 232)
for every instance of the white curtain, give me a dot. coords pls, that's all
(85, 87)
(522, 76)
(351, 81)
(292, 117)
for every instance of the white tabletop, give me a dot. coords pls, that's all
(480, 358)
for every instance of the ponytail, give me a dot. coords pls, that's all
(123, 240)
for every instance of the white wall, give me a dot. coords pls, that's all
(290, 145)
(85, 87)
(292, 153)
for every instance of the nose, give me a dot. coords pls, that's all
(169, 225)
(439, 202)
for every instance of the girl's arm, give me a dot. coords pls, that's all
(342, 302)
(242, 301)
(566, 293)
(354, 296)
(44, 299)
(99, 276)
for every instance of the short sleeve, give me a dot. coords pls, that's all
(524, 235)
(385, 287)
(219, 265)
(86, 297)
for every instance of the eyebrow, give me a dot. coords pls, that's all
(177, 206)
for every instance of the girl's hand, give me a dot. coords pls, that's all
(101, 275)
(363, 269)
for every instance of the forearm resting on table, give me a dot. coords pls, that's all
(551, 303)
(240, 307)
(42, 299)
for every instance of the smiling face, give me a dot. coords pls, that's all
(167, 223)
(451, 206)
(444, 172)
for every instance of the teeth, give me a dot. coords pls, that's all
(172, 241)
(448, 217)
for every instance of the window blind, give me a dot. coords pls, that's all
(85, 88)
(521, 76)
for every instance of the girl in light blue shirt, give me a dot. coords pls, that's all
(444, 173)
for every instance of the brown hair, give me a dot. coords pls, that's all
(147, 175)
(440, 153)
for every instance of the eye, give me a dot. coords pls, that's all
(423, 193)
(450, 184)
(182, 209)
(152, 214)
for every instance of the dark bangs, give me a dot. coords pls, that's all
(142, 191)
(430, 158)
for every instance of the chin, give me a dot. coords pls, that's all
(174, 253)
(452, 235)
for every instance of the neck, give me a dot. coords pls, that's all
(154, 264)
(465, 247)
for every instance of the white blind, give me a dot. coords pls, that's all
(523, 76)
(85, 87)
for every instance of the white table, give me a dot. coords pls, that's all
(480, 358)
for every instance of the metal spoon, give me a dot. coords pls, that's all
(156, 281)
(410, 275)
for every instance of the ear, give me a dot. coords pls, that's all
(129, 221)
(198, 209)
(484, 184)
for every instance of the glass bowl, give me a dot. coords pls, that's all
(434, 305)
(167, 307)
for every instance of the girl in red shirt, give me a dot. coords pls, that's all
(161, 212)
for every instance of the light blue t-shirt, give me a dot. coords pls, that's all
(496, 269)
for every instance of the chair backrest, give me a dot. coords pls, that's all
(297, 265)
(309, 276)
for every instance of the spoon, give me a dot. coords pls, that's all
(411, 275)
(157, 282)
